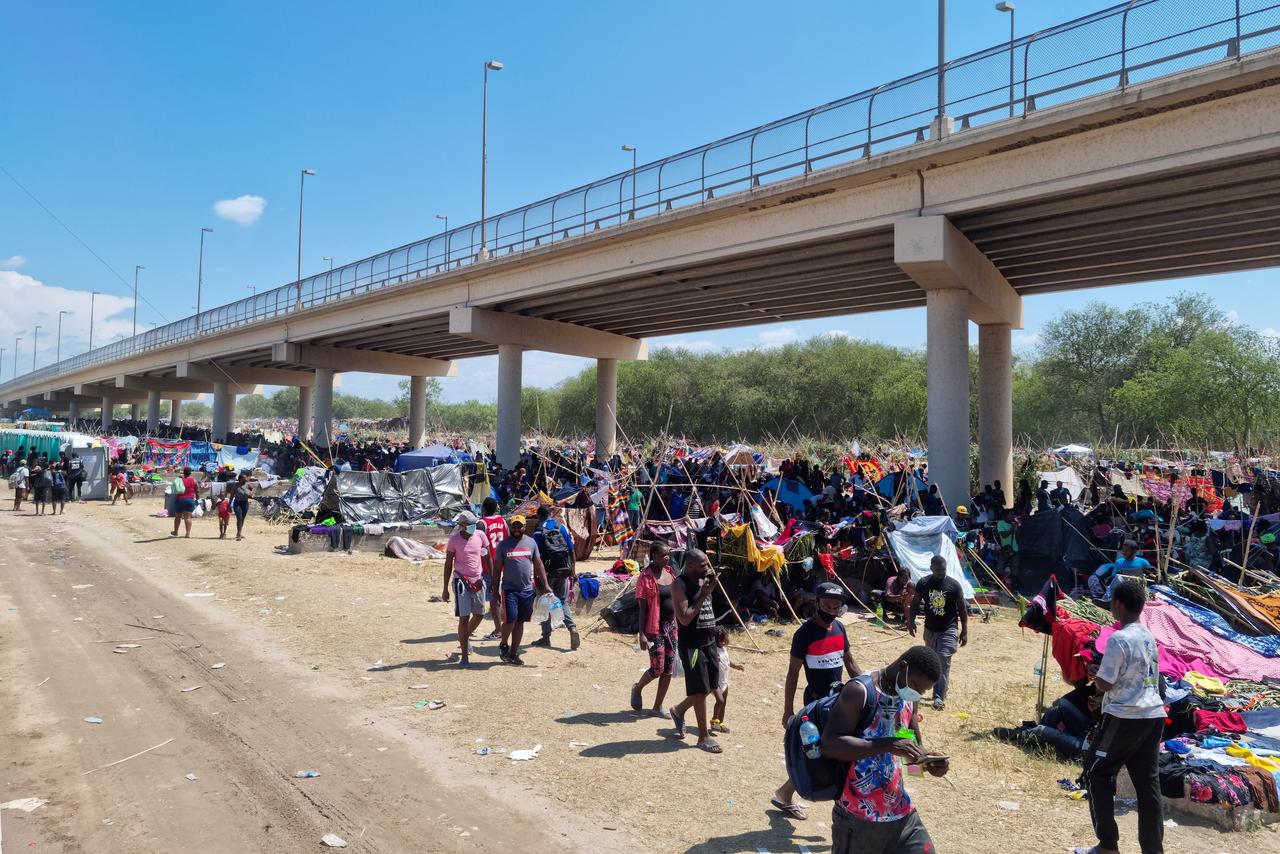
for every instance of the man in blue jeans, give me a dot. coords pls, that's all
(555, 547)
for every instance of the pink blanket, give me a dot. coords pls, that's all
(1185, 645)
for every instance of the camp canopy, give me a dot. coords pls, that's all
(1070, 480)
(43, 441)
(916, 542)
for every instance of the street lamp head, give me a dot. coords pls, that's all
(209, 230)
(628, 148)
(139, 267)
(327, 258)
(493, 65)
(442, 216)
(1004, 7)
(308, 171)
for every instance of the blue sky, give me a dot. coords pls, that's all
(132, 121)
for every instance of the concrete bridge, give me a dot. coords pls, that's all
(1146, 157)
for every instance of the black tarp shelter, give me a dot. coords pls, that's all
(380, 497)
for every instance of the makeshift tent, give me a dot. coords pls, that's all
(1070, 480)
(43, 441)
(308, 490)
(432, 455)
(240, 459)
(380, 497)
(1073, 450)
(916, 542)
(901, 486)
(167, 454)
(789, 491)
(741, 455)
(1050, 541)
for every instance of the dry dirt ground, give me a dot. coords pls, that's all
(325, 657)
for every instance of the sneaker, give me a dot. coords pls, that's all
(492, 636)
(504, 650)
(516, 660)
(575, 639)
(939, 705)
(544, 642)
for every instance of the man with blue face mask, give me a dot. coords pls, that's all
(467, 563)
(874, 813)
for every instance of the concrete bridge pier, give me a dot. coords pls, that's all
(510, 401)
(107, 413)
(606, 407)
(962, 284)
(73, 412)
(224, 410)
(133, 412)
(153, 411)
(322, 423)
(175, 412)
(417, 411)
(304, 412)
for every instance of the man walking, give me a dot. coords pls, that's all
(493, 526)
(19, 480)
(1129, 734)
(518, 557)
(821, 647)
(695, 627)
(468, 554)
(555, 547)
(946, 620)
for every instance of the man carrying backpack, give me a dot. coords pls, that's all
(873, 813)
(555, 547)
(821, 647)
(75, 476)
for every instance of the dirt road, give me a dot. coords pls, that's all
(68, 596)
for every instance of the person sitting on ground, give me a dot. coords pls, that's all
(721, 692)
(657, 629)
(898, 592)
(1064, 726)
(1105, 578)
(1061, 496)
(873, 813)
(695, 621)
(762, 597)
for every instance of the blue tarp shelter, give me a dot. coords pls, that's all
(789, 491)
(422, 458)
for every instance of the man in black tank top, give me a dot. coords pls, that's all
(695, 623)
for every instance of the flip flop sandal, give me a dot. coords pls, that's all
(710, 746)
(637, 702)
(797, 811)
(678, 720)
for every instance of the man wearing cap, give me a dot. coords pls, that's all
(821, 647)
(468, 554)
(517, 555)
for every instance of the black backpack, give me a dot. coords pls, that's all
(554, 550)
(823, 779)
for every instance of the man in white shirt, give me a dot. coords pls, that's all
(20, 478)
(1129, 734)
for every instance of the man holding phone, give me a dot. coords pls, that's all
(695, 624)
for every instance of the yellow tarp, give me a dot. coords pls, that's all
(740, 543)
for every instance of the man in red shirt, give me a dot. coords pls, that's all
(495, 528)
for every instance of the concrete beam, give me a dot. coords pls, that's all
(118, 396)
(551, 336)
(126, 381)
(369, 361)
(244, 378)
(937, 256)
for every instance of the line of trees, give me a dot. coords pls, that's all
(1175, 372)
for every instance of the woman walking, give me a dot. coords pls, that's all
(184, 503)
(240, 491)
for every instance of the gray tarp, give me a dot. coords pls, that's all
(380, 497)
(308, 491)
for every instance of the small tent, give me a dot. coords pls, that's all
(789, 491)
(428, 457)
(916, 542)
(1070, 481)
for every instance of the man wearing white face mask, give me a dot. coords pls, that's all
(468, 554)
(821, 647)
(874, 813)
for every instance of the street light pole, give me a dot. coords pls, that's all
(491, 65)
(64, 311)
(93, 297)
(302, 188)
(2, 349)
(136, 268)
(632, 149)
(200, 276)
(253, 289)
(942, 64)
(16, 342)
(35, 343)
(1009, 7)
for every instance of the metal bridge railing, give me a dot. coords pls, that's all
(1107, 50)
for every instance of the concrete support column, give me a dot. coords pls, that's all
(133, 412)
(73, 412)
(304, 411)
(153, 411)
(510, 370)
(995, 406)
(322, 424)
(107, 409)
(175, 413)
(417, 412)
(948, 393)
(606, 407)
(221, 411)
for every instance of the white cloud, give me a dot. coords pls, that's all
(696, 345)
(836, 333)
(1025, 340)
(13, 262)
(777, 337)
(26, 303)
(1271, 333)
(245, 210)
(1233, 316)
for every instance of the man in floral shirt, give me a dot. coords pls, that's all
(874, 813)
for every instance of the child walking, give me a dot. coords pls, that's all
(721, 692)
(224, 517)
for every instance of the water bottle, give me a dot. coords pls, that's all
(810, 738)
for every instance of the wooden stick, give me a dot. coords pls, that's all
(127, 758)
(725, 593)
(778, 577)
